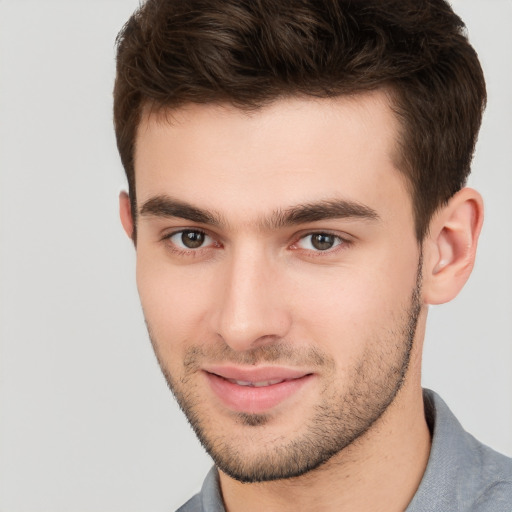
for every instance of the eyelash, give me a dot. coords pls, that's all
(184, 251)
(340, 243)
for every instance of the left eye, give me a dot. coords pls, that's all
(319, 242)
(190, 239)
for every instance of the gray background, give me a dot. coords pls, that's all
(86, 421)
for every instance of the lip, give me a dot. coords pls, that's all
(255, 390)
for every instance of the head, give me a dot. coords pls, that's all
(249, 54)
(295, 175)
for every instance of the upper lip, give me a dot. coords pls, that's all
(257, 373)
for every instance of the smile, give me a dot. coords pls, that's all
(255, 390)
(256, 384)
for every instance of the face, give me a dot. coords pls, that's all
(278, 272)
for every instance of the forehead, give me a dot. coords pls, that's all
(291, 151)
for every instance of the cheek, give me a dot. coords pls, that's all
(173, 300)
(354, 306)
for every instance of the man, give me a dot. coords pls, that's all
(296, 197)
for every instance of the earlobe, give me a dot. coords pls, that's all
(450, 247)
(125, 213)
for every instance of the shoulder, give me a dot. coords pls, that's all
(462, 473)
(497, 498)
(209, 499)
(495, 475)
(192, 505)
(487, 476)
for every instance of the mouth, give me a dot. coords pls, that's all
(260, 384)
(255, 390)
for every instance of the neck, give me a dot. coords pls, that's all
(381, 471)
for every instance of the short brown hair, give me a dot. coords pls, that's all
(251, 52)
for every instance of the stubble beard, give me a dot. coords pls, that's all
(339, 419)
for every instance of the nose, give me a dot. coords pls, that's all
(251, 310)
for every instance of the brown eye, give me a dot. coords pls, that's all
(322, 241)
(192, 239)
(319, 241)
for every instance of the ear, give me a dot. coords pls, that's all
(125, 212)
(450, 246)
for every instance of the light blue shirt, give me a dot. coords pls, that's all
(462, 474)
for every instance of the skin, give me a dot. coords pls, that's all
(258, 293)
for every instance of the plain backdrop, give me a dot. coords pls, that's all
(87, 423)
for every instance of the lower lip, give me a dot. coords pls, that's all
(254, 400)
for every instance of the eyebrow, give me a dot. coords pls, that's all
(321, 210)
(165, 206)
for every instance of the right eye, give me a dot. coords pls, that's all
(190, 239)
